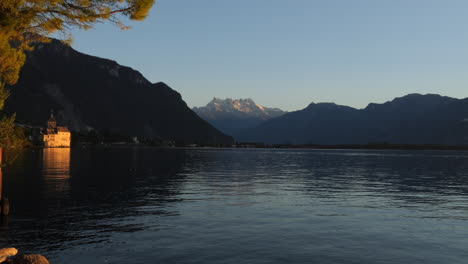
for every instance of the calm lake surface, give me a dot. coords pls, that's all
(150, 205)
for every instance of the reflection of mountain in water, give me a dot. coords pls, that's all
(146, 205)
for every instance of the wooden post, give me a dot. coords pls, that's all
(1, 175)
(5, 204)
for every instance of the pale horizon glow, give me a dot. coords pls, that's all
(289, 54)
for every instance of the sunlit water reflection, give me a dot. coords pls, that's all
(148, 205)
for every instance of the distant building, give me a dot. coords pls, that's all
(55, 136)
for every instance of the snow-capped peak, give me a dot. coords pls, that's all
(245, 107)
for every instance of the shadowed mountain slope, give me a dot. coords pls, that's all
(411, 119)
(91, 93)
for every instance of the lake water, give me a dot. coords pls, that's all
(150, 205)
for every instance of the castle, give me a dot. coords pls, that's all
(55, 136)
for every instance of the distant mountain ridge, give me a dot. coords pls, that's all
(411, 119)
(241, 107)
(233, 115)
(91, 93)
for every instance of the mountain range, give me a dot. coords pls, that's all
(234, 115)
(411, 119)
(88, 93)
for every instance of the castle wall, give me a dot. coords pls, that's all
(59, 140)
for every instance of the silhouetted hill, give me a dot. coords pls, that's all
(91, 93)
(234, 115)
(411, 119)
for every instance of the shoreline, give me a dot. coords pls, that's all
(278, 146)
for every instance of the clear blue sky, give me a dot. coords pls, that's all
(290, 53)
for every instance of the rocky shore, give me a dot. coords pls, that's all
(9, 256)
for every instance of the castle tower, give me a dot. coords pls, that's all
(52, 122)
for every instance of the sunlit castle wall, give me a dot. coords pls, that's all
(61, 139)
